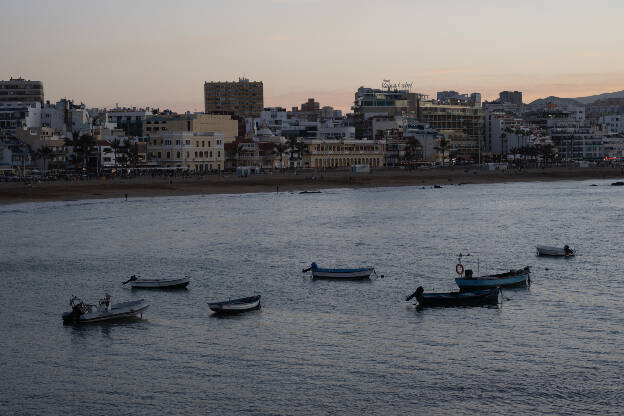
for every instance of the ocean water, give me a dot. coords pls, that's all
(316, 347)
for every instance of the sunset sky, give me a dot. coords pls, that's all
(159, 53)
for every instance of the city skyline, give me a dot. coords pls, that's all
(159, 55)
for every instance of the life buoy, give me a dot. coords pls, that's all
(459, 268)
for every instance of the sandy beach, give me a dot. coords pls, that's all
(19, 192)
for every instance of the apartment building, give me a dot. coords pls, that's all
(243, 98)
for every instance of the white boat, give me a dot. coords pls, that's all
(83, 313)
(171, 283)
(358, 273)
(564, 251)
(236, 305)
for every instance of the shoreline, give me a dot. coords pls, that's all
(303, 180)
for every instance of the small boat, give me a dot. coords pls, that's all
(618, 183)
(310, 192)
(83, 313)
(359, 273)
(236, 305)
(512, 278)
(450, 299)
(566, 251)
(172, 283)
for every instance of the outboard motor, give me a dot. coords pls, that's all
(419, 295)
(78, 309)
(468, 273)
(567, 250)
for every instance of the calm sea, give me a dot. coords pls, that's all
(316, 347)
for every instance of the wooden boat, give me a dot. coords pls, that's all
(359, 273)
(512, 278)
(83, 313)
(450, 299)
(236, 305)
(566, 251)
(172, 283)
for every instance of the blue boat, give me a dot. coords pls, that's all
(358, 273)
(512, 278)
(452, 299)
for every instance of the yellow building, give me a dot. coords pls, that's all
(343, 153)
(197, 152)
(195, 123)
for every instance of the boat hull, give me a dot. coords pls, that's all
(489, 282)
(118, 311)
(236, 306)
(454, 299)
(160, 283)
(344, 275)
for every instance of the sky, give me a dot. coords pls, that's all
(159, 53)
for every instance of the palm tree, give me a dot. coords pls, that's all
(44, 153)
(133, 153)
(302, 149)
(443, 146)
(115, 145)
(547, 152)
(412, 148)
(280, 149)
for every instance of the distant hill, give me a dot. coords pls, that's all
(556, 100)
(579, 101)
(593, 98)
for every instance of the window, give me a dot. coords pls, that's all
(219, 154)
(188, 142)
(187, 155)
(203, 144)
(210, 153)
(168, 155)
(177, 155)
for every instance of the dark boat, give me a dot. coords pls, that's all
(566, 251)
(452, 299)
(619, 183)
(236, 305)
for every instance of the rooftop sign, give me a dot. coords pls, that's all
(386, 83)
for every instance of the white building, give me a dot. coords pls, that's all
(612, 124)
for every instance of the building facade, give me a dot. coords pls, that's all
(243, 98)
(513, 97)
(466, 121)
(196, 123)
(197, 152)
(19, 89)
(327, 154)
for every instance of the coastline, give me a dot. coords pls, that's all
(20, 192)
